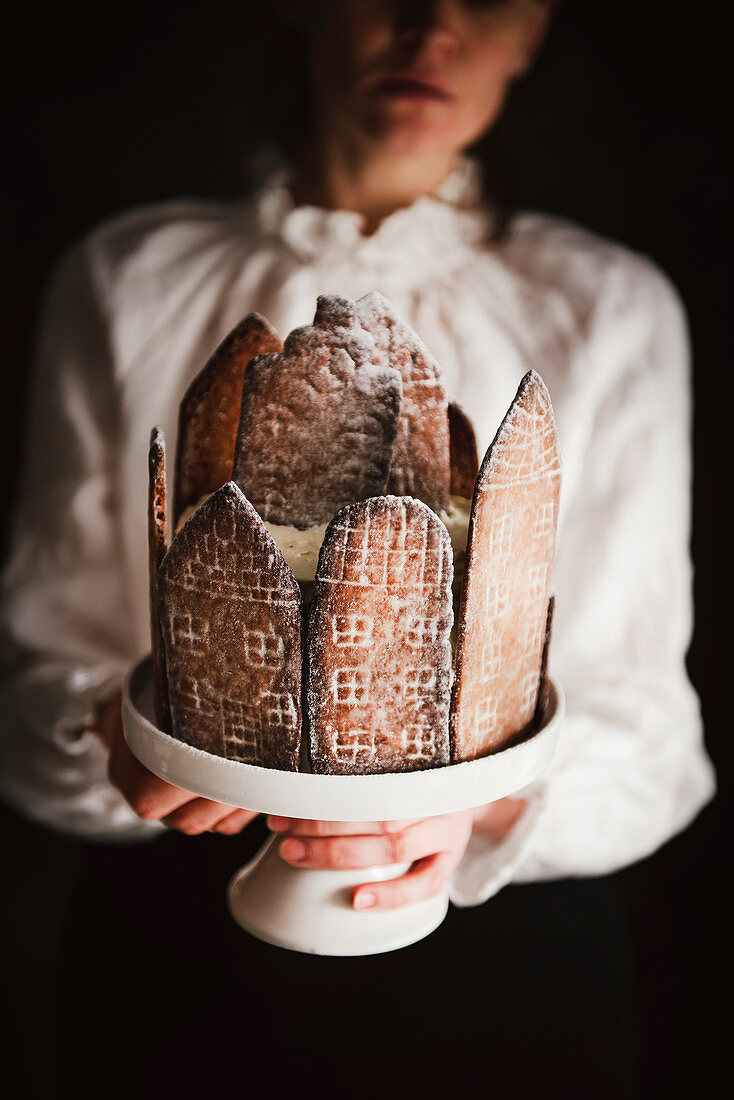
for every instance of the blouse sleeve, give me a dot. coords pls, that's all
(65, 629)
(631, 769)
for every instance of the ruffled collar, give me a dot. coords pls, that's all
(433, 230)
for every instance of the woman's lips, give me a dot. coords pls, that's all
(411, 87)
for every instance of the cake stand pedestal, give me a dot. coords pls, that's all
(309, 910)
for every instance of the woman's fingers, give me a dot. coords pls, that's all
(426, 878)
(199, 815)
(432, 846)
(233, 822)
(156, 800)
(304, 827)
(150, 797)
(423, 838)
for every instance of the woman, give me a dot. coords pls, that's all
(378, 195)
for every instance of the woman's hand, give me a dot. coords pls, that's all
(433, 846)
(152, 798)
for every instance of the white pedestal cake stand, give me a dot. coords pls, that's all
(309, 910)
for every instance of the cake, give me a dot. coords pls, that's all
(347, 590)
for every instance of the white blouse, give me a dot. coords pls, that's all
(134, 312)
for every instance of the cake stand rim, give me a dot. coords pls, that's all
(383, 796)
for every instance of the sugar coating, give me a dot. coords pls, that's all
(379, 652)
(318, 421)
(502, 625)
(421, 463)
(463, 450)
(210, 409)
(231, 617)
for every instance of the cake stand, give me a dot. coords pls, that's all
(306, 909)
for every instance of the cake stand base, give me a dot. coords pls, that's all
(306, 909)
(310, 910)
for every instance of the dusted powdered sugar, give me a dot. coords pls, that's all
(318, 421)
(231, 620)
(210, 411)
(379, 653)
(420, 462)
(504, 608)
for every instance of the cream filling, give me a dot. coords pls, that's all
(301, 548)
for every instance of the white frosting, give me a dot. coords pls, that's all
(457, 523)
(301, 548)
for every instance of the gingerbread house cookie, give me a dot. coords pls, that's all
(157, 547)
(379, 655)
(231, 620)
(506, 589)
(318, 421)
(544, 692)
(420, 462)
(210, 411)
(463, 452)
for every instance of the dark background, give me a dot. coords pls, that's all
(621, 127)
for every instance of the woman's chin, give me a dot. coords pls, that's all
(415, 140)
(412, 129)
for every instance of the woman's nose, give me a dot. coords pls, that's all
(419, 21)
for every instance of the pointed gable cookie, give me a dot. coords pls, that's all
(463, 449)
(231, 620)
(379, 651)
(544, 694)
(420, 465)
(504, 603)
(157, 547)
(318, 421)
(210, 411)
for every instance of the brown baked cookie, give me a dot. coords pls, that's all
(210, 410)
(157, 546)
(506, 584)
(230, 613)
(420, 464)
(318, 421)
(464, 457)
(378, 646)
(541, 707)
